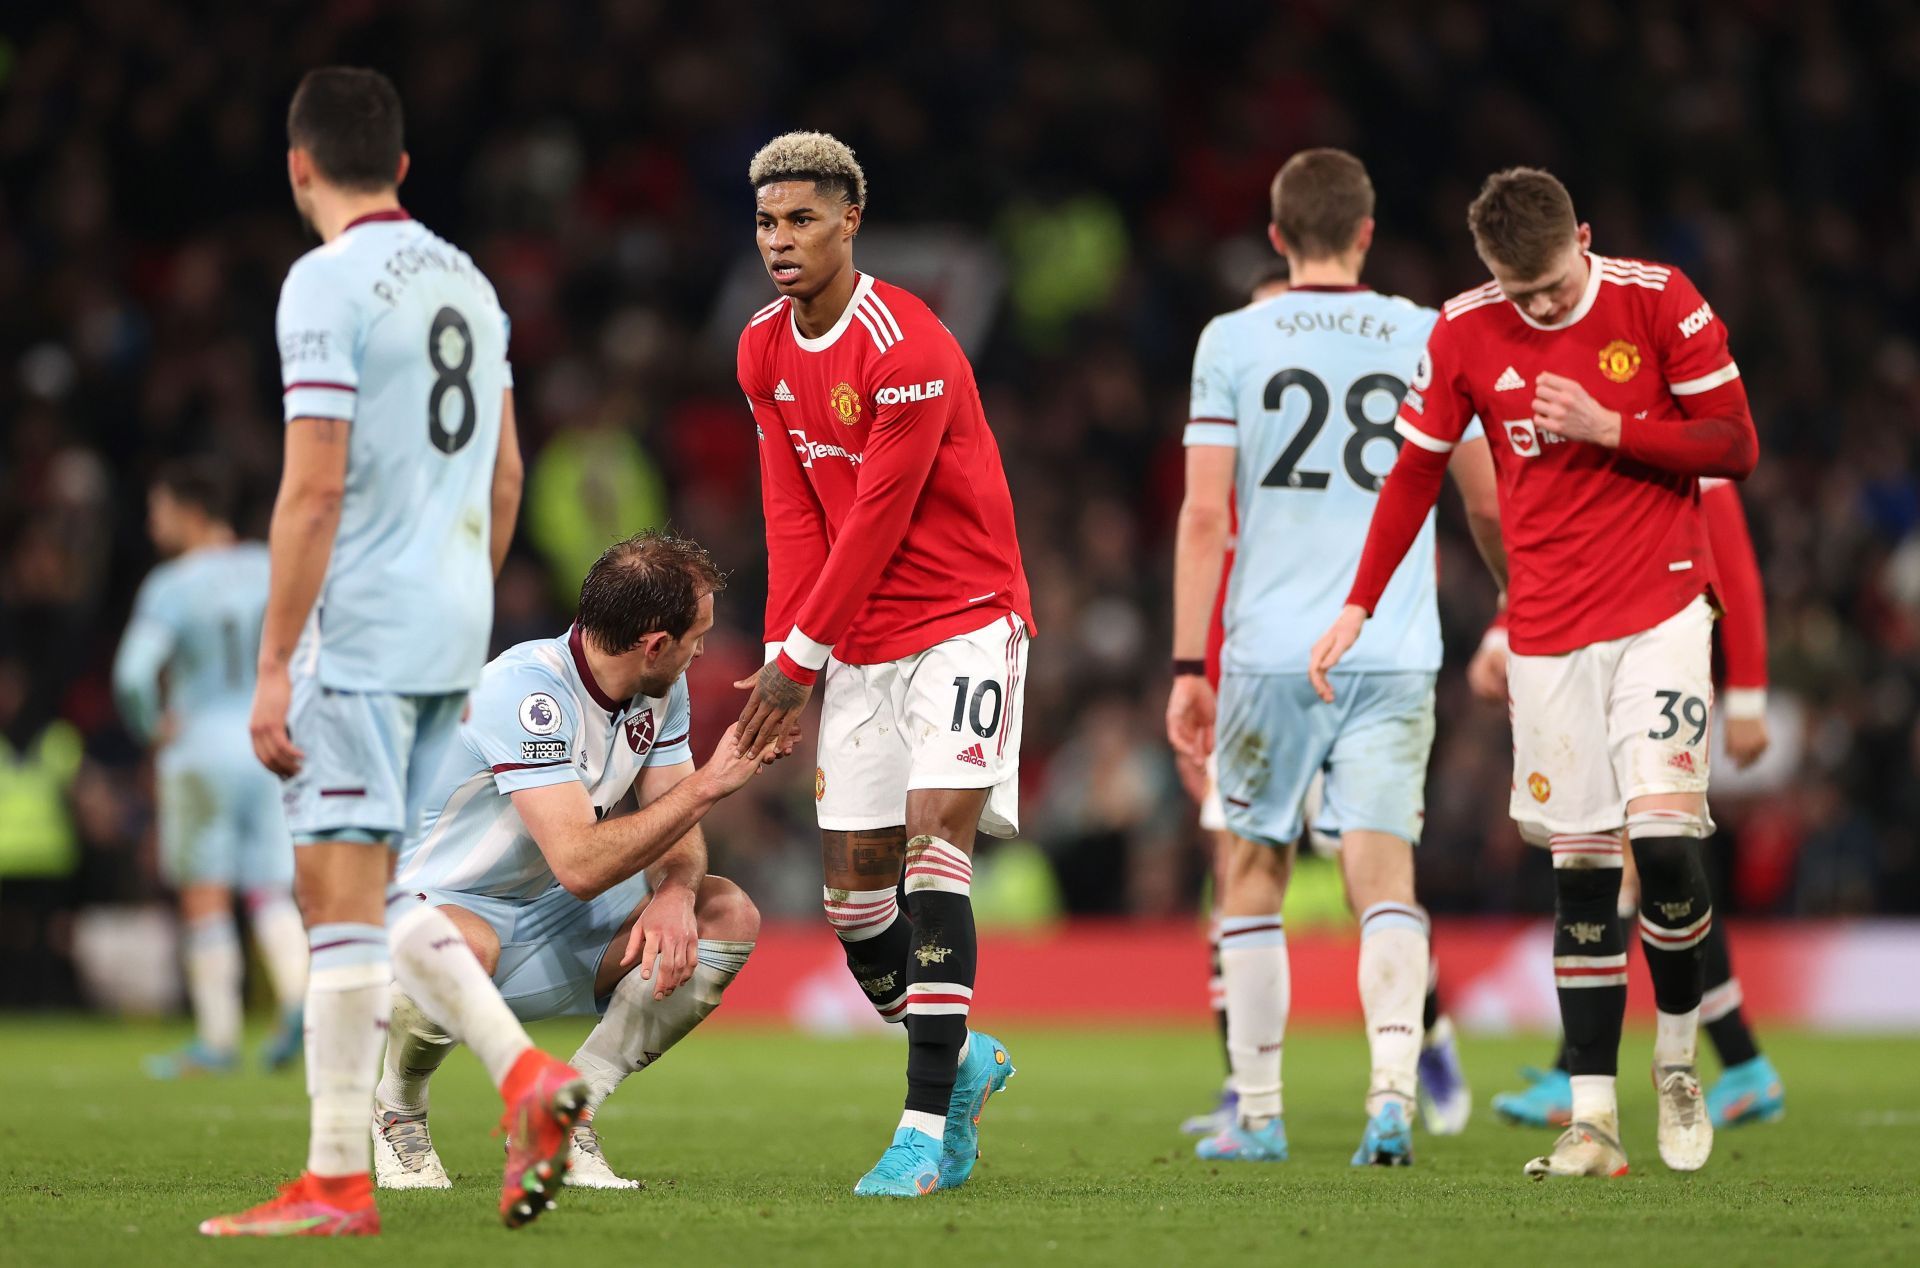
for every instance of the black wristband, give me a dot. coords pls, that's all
(1183, 666)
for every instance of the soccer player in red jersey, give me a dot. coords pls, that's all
(1612, 385)
(894, 577)
(1749, 1089)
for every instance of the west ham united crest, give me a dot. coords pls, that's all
(639, 729)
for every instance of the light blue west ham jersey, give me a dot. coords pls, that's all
(537, 718)
(393, 328)
(196, 622)
(1306, 387)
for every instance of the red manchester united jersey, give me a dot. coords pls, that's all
(889, 524)
(1600, 545)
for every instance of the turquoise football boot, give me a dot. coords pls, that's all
(1240, 1143)
(1388, 1140)
(984, 1072)
(287, 1042)
(1547, 1102)
(1750, 1092)
(194, 1061)
(909, 1169)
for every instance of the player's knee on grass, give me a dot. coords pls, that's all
(724, 912)
(1253, 877)
(479, 935)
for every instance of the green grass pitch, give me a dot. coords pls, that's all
(749, 1141)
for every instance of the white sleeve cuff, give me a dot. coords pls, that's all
(1741, 703)
(1706, 382)
(1420, 438)
(1495, 637)
(773, 650)
(804, 652)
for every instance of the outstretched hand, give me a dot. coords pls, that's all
(772, 712)
(729, 769)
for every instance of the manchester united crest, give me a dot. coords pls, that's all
(1538, 785)
(846, 403)
(1619, 361)
(819, 783)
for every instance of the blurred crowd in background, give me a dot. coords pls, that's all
(1078, 185)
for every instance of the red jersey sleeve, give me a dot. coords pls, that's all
(1435, 409)
(1743, 628)
(1433, 413)
(1713, 434)
(910, 422)
(796, 525)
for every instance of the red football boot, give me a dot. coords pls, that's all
(309, 1206)
(545, 1098)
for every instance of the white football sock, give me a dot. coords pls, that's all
(433, 964)
(926, 1124)
(213, 981)
(1393, 992)
(1675, 1037)
(1253, 964)
(282, 940)
(415, 1049)
(639, 1028)
(1595, 1101)
(347, 991)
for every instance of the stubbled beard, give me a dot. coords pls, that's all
(656, 686)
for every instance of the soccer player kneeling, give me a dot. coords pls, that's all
(571, 911)
(1611, 385)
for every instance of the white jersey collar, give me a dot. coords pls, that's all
(1580, 309)
(839, 328)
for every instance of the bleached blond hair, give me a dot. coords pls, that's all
(811, 156)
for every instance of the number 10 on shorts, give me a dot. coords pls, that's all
(972, 708)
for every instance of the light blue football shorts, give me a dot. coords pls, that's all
(550, 946)
(369, 758)
(1274, 734)
(219, 818)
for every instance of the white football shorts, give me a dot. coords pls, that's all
(948, 717)
(1598, 726)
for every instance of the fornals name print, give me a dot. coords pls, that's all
(540, 714)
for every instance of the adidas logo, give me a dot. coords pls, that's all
(784, 393)
(974, 756)
(1510, 381)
